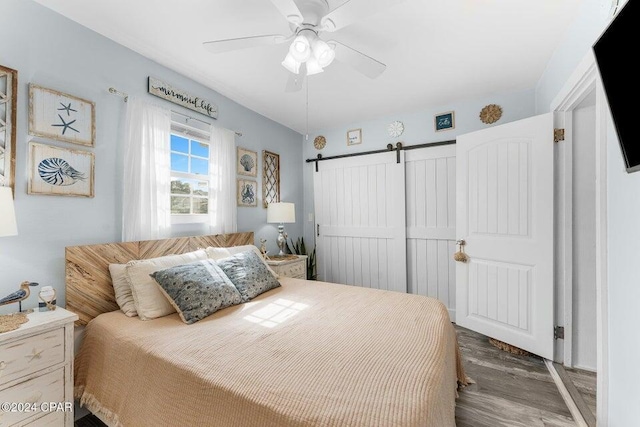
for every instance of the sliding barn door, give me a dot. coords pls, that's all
(360, 217)
(505, 214)
(431, 220)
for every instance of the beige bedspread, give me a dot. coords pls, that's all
(308, 353)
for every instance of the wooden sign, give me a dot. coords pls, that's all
(182, 98)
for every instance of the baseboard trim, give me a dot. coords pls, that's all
(566, 396)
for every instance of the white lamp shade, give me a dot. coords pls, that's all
(300, 49)
(323, 53)
(281, 213)
(291, 64)
(313, 67)
(8, 225)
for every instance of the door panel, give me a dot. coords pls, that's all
(360, 210)
(430, 196)
(505, 215)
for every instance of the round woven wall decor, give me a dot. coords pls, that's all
(490, 114)
(319, 142)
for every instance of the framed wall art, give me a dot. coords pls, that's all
(247, 162)
(8, 111)
(247, 193)
(354, 137)
(270, 178)
(60, 171)
(61, 117)
(444, 121)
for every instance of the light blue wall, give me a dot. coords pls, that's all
(585, 29)
(419, 129)
(54, 52)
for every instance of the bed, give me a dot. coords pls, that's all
(306, 353)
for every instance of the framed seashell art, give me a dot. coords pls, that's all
(247, 162)
(61, 117)
(59, 171)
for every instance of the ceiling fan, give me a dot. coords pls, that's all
(308, 53)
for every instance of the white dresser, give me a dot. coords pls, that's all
(296, 268)
(36, 371)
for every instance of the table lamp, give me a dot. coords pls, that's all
(8, 225)
(281, 213)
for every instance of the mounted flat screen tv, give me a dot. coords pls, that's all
(616, 57)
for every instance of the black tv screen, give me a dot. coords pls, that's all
(616, 54)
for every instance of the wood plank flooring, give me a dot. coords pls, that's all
(510, 391)
(585, 382)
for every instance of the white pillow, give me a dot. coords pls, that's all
(149, 300)
(122, 289)
(221, 253)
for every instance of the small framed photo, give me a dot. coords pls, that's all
(445, 121)
(247, 193)
(354, 137)
(61, 117)
(247, 162)
(60, 171)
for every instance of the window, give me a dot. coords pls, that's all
(190, 153)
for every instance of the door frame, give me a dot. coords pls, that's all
(581, 83)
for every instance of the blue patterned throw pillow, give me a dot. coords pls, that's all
(197, 290)
(247, 271)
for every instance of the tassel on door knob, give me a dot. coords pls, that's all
(460, 256)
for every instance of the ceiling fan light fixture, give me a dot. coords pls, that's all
(313, 67)
(291, 64)
(300, 49)
(323, 53)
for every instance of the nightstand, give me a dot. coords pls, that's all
(296, 268)
(36, 367)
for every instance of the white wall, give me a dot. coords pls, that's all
(623, 205)
(55, 52)
(623, 229)
(419, 129)
(584, 237)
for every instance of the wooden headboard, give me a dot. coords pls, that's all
(88, 282)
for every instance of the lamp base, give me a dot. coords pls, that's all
(282, 239)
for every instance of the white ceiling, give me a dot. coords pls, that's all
(436, 51)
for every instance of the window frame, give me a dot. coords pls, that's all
(190, 134)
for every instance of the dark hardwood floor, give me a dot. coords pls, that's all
(514, 391)
(509, 391)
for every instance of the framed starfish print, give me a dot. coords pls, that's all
(60, 116)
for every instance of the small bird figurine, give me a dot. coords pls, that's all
(19, 295)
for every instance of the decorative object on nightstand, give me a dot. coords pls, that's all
(36, 367)
(395, 129)
(19, 295)
(320, 142)
(47, 298)
(490, 114)
(263, 248)
(294, 266)
(281, 213)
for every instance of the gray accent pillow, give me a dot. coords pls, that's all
(248, 273)
(197, 290)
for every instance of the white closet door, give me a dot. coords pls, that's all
(505, 213)
(431, 220)
(360, 212)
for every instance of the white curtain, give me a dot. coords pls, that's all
(146, 206)
(222, 188)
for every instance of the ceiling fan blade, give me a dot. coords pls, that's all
(295, 82)
(289, 10)
(358, 60)
(352, 11)
(228, 45)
